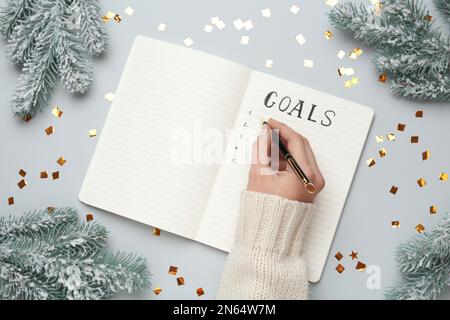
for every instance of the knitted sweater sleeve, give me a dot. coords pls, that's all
(266, 261)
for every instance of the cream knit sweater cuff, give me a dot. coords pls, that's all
(265, 261)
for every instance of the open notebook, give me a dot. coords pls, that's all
(165, 87)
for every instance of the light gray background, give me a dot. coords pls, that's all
(365, 224)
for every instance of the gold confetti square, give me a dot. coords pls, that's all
(340, 268)
(328, 35)
(61, 161)
(89, 217)
(379, 139)
(433, 209)
(22, 173)
(157, 290)
(443, 176)
(117, 18)
(421, 182)
(156, 232)
(338, 256)
(382, 152)
(393, 190)
(360, 266)
(56, 111)
(391, 137)
(108, 16)
(173, 270)
(55, 175)
(395, 224)
(414, 139)
(10, 201)
(180, 281)
(200, 292)
(27, 118)
(401, 127)
(92, 133)
(50, 209)
(383, 77)
(425, 155)
(419, 114)
(420, 228)
(428, 18)
(49, 130)
(44, 174)
(355, 53)
(371, 162)
(22, 184)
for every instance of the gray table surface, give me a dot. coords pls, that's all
(365, 224)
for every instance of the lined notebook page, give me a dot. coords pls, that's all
(337, 148)
(164, 88)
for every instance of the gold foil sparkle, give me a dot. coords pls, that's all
(328, 35)
(383, 77)
(200, 291)
(395, 224)
(173, 270)
(433, 209)
(393, 190)
(355, 53)
(22, 184)
(92, 133)
(360, 266)
(421, 182)
(108, 16)
(117, 18)
(371, 162)
(340, 268)
(379, 139)
(425, 155)
(391, 137)
(49, 130)
(443, 176)
(338, 256)
(180, 281)
(56, 111)
(420, 228)
(382, 152)
(157, 290)
(61, 161)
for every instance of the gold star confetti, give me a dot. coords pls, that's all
(200, 292)
(340, 268)
(443, 176)
(371, 162)
(22, 173)
(382, 152)
(44, 174)
(61, 161)
(433, 209)
(92, 133)
(56, 111)
(428, 18)
(383, 77)
(414, 139)
(10, 201)
(379, 139)
(355, 81)
(393, 190)
(117, 18)
(401, 127)
(55, 175)
(180, 281)
(354, 255)
(420, 228)
(49, 130)
(157, 290)
(89, 217)
(328, 35)
(395, 224)
(419, 114)
(156, 232)
(22, 184)
(338, 256)
(173, 270)
(391, 137)
(348, 84)
(360, 266)
(108, 16)
(421, 182)
(110, 96)
(425, 155)
(355, 53)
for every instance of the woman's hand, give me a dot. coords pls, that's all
(283, 182)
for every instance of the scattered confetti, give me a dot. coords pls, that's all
(393, 190)
(443, 176)
(421, 182)
(200, 292)
(433, 209)
(129, 11)
(180, 281)
(383, 77)
(328, 34)
(340, 268)
(346, 71)
(56, 111)
(341, 54)
(215, 20)
(22, 184)
(118, 18)
(355, 53)
(61, 161)
(248, 25)
(44, 174)
(338, 256)
(110, 96)
(391, 137)
(22, 173)
(221, 25)
(162, 27)
(55, 175)
(156, 232)
(173, 270)
(414, 139)
(208, 28)
(300, 39)
(395, 224)
(332, 3)
(10, 201)
(419, 114)
(295, 9)
(245, 39)
(401, 127)
(89, 217)
(351, 83)
(379, 139)
(360, 266)
(354, 255)
(27, 118)
(382, 152)
(188, 42)
(266, 13)
(50, 209)
(269, 64)
(428, 18)
(420, 228)
(371, 162)
(92, 133)
(50, 130)
(308, 63)
(425, 155)
(157, 290)
(238, 24)
(108, 16)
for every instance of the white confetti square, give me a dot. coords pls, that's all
(208, 28)
(129, 11)
(341, 54)
(295, 9)
(110, 96)
(332, 3)
(269, 63)
(188, 42)
(308, 63)
(215, 20)
(221, 25)
(266, 13)
(248, 25)
(238, 24)
(300, 39)
(162, 27)
(245, 39)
